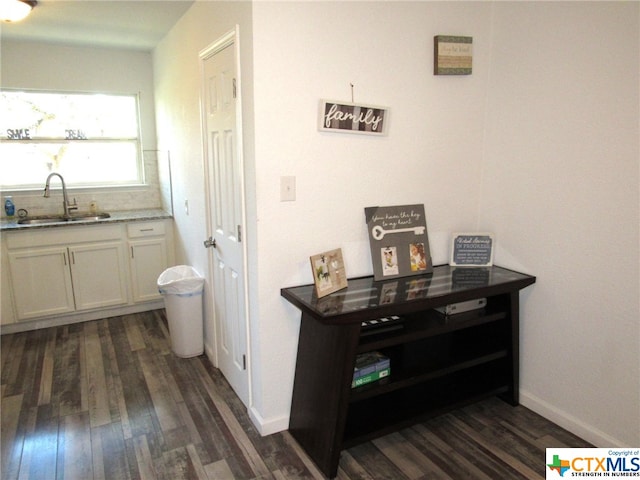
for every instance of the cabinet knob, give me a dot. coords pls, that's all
(210, 242)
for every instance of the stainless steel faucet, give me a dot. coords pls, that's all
(65, 202)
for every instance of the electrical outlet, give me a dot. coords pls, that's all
(287, 189)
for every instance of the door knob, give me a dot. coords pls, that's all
(210, 242)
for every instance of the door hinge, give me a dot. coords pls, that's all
(235, 89)
(244, 362)
(239, 233)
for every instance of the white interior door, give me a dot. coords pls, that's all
(224, 177)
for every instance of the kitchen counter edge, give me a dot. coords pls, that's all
(116, 217)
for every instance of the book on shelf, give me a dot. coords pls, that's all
(370, 378)
(370, 367)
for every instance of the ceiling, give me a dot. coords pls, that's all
(130, 24)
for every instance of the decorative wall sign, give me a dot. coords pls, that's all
(452, 55)
(352, 118)
(18, 134)
(472, 250)
(328, 270)
(399, 241)
(73, 134)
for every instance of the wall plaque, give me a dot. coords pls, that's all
(472, 250)
(399, 241)
(452, 55)
(353, 118)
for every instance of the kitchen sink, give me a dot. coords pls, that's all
(78, 217)
(89, 217)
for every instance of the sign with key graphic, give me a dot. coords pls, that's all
(399, 241)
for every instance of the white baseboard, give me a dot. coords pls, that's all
(270, 426)
(66, 319)
(569, 422)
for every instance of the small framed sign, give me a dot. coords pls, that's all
(452, 55)
(472, 250)
(351, 118)
(329, 274)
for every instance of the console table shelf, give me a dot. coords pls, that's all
(438, 362)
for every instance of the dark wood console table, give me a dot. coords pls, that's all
(438, 362)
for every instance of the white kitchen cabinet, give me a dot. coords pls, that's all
(72, 273)
(67, 270)
(7, 308)
(148, 258)
(99, 275)
(41, 281)
(53, 280)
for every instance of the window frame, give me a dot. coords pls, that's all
(140, 181)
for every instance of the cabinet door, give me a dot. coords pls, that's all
(148, 259)
(7, 310)
(99, 275)
(41, 282)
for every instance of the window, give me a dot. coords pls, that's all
(90, 139)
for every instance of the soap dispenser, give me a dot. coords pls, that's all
(9, 208)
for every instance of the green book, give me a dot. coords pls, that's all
(371, 377)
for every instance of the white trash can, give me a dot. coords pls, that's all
(182, 289)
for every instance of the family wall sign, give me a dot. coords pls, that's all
(353, 118)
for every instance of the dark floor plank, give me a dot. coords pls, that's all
(109, 400)
(408, 458)
(146, 468)
(12, 435)
(74, 448)
(42, 443)
(483, 459)
(204, 415)
(375, 463)
(67, 371)
(115, 462)
(245, 453)
(451, 461)
(99, 410)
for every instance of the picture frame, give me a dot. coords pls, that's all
(452, 55)
(329, 274)
(399, 241)
(472, 249)
(345, 117)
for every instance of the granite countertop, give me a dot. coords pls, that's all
(116, 217)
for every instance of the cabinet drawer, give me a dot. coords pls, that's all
(64, 235)
(146, 229)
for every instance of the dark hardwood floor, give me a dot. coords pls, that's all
(108, 400)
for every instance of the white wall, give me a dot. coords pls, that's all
(553, 171)
(307, 51)
(560, 189)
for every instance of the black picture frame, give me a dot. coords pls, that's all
(472, 249)
(399, 241)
